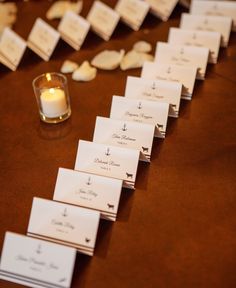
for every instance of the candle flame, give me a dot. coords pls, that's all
(51, 90)
(48, 76)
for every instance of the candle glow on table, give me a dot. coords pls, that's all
(53, 102)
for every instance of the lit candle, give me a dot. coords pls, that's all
(53, 102)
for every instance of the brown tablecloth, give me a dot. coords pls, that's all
(178, 228)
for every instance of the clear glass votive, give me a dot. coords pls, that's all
(51, 91)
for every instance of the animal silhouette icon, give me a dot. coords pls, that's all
(145, 149)
(128, 175)
(110, 206)
(87, 240)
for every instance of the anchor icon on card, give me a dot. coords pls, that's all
(168, 70)
(65, 213)
(139, 105)
(153, 86)
(107, 152)
(124, 128)
(89, 181)
(39, 249)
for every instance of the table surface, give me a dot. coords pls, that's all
(177, 229)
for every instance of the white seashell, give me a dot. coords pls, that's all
(59, 8)
(134, 59)
(69, 66)
(142, 46)
(108, 59)
(85, 72)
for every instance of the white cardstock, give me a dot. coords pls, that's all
(155, 90)
(127, 134)
(132, 12)
(73, 29)
(109, 161)
(43, 39)
(186, 75)
(197, 38)
(103, 19)
(89, 191)
(141, 111)
(216, 8)
(208, 23)
(36, 263)
(183, 55)
(162, 8)
(64, 224)
(12, 48)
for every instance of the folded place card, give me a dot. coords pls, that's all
(107, 160)
(89, 191)
(12, 48)
(141, 111)
(43, 39)
(162, 8)
(73, 29)
(103, 19)
(127, 134)
(216, 8)
(155, 90)
(185, 75)
(183, 55)
(208, 23)
(36, 263)
(64, 224)
(132, 12)
(197, 38)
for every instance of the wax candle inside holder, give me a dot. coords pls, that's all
(51, 91)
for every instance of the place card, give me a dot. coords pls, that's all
(141, 111)
(12, 48)
(132, 12)
(208, 23)
(197, 38)
(155, 90)
(127, 134)
(186, 75)
(43, 39)
(183, 55)
(109, 161)
(73, 29)
(162, 8)
(64, 224)
(103, 19)
(216, 8)
(89, 191)
(36, 263)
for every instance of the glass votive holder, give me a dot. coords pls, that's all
(51, 91)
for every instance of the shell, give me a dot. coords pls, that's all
(134, 59)
(142, 46)
(59, 8)
(108, 59)
(69, 66)
(84, 73)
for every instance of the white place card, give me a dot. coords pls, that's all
(132, 12)
(89, 191)
(162, 8)
(64, 224)
(197, 38)
(141, 111)
(109, 161)
(36, 263)
(103, 19)
(216, 8)
(183, 55)
(185, 75)
(155, 90)
(43, 39)
(208, 23)
(73, 29)
(12, 48)
(127, 134)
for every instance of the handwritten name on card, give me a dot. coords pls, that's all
(162, 8)
(73, 29)
(65, 224)
(89, 191)
(12, 48)
(103, 19)
(43, 39)
(133, 12)
(154, 90)
(36, 263)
